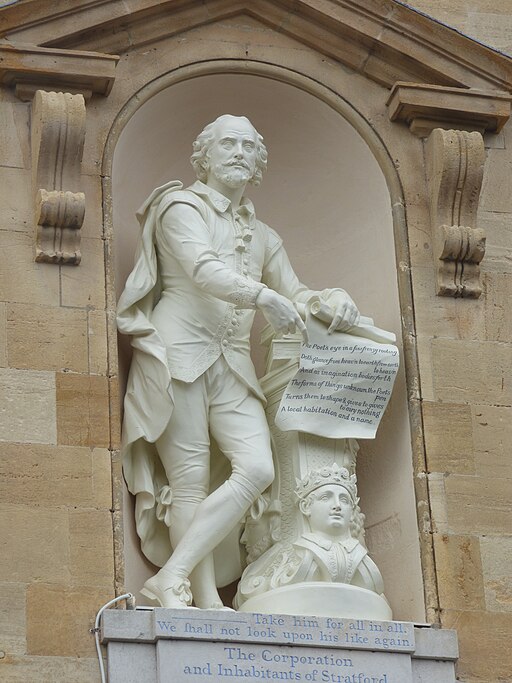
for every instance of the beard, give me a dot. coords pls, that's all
(233, 176)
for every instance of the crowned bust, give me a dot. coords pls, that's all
(332, 547)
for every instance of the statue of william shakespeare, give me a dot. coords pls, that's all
(205, 263)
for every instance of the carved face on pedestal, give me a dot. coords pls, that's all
(329, 509)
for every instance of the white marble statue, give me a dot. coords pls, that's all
(332, 550)
(204, 265)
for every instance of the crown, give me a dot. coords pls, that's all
(334, 474)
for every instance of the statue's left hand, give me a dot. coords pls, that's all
(346, 313)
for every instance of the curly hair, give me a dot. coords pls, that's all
(204, 140)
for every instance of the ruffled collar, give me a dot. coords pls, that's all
(244, 215)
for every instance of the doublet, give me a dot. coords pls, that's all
(213, 262)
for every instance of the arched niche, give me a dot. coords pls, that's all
(327, 196)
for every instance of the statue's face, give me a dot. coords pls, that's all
(331, 510)
(232, 155)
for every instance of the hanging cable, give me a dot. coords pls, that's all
(130, 604)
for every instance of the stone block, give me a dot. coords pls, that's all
(496, 194)
(27, 406)
(455, 318)
(115, 413)
(494, 140)
(82, 410)
(16, 204)
(40, 282)
(12, 619)
(498, 312)
(47, 338)
(424, 348)
(492, 434)
(97, 331)
(23, 669)
(102, 477)
(55, 476)
(438, 508)
(91, 548)
(3, 335)
(434, 643)
(498, 228)
(496, 555)
(84, 285)
(472, 372)
(34, 544)
(493, 27)
(14, 138)
(429, 671)
(478, 505)
(59, 619)
(488, 318)
(484, 644)
(459, 572)
(420, 240)
(142, 658)
(92, 227)
(448, 437)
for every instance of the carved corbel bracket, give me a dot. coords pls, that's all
(455, 165)
(58, 133)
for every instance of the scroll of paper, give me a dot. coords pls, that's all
(343, 384)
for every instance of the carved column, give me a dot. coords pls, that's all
(58, 133)
(455, 166)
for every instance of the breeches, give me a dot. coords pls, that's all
(216, 403)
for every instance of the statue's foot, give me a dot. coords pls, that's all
(168, 590)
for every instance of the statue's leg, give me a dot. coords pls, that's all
(238, 424)
(184, 449)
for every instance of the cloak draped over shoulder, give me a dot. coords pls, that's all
(145, 417)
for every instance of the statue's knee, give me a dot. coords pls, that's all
(262, 475)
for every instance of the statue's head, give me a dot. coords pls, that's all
(328, 498)
(212, 147)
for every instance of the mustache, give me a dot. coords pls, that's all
(241, 163)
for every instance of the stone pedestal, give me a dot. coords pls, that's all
(324, 599)
(271, 581)
(180, 646)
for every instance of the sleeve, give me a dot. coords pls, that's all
(183, 234)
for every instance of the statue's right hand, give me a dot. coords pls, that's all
(280, 313)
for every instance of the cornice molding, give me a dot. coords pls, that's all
(382, 39)
(29, 68)
(426, 107)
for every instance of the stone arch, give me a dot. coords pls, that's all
(311, 86)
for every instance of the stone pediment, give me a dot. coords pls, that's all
(385, 40)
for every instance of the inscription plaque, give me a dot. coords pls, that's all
(189, 661)
(284, 629)
(189, 645)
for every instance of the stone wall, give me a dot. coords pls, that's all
(58, 400)
(466, 357)
(56, 537)
(485, 20)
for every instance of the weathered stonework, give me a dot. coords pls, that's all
(455, 167)
(59, 371)
(58, 132)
